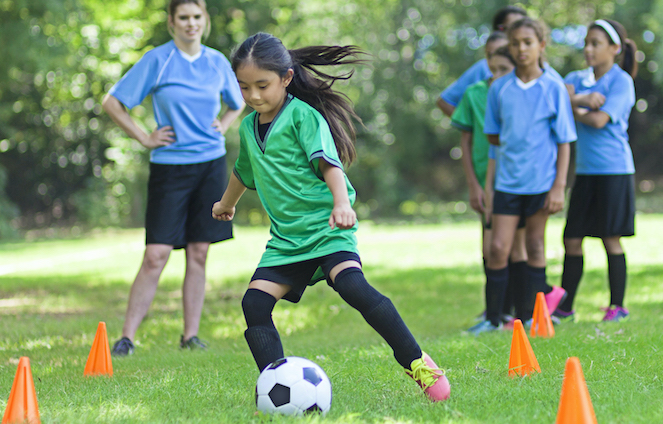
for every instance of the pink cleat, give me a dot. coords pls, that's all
(431, 378)
(554, 298)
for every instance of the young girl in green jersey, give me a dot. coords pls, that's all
(292, 151)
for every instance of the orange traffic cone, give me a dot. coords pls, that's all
(575, 406)
(541, 323)
(521, 359)
(22, 405)
(99, 360)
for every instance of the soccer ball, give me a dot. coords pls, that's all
(293, 386)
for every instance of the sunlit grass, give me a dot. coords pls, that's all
(53, 294)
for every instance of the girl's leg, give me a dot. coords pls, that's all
(497, 271)
(261, 335)
(572, 273)
(616, 270)
(517, 271)
(193, 290)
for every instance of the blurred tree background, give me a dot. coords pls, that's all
(65, 167)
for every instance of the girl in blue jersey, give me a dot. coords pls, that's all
(603, 196)
(529, 117)
(292, 151)
(186, 81)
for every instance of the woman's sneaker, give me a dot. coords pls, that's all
(123, 347)
(554, 298)
(560, 317)
(430, 378)
(615, 314)
(192, 343)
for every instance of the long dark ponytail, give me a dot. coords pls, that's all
(308, 83)
(629, 48)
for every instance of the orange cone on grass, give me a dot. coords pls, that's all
(22, 405)
(99, 361)
(521, 359)
(575, 406)
(541, 323)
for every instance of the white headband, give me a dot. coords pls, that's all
(614, 36)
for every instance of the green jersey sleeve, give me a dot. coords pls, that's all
(462, 116)
(316, 140)
(243, 169)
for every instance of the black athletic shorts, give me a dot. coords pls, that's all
(523, 205)
(601, 206)
(179, 203)
(299, 275)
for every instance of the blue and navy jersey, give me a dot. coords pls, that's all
(186, 94)
(602, 151)
(531, 120)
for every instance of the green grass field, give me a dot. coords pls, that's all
(54, 293)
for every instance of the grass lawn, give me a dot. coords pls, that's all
(54, 293)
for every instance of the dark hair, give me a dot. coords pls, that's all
(504, 52)
(308, 83)
(500, 16)
(538, 27)
(628, 62)
(174, 4)
(496, 35)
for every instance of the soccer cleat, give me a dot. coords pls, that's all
(123, 347)
(483, 327)
(560, 317)
(430, 378)
(192, 343)
(554, 298)
(615, 314)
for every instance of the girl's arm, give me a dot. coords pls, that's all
(222, 124)
(342, 215)
(555, 198)
(490, 189)
(493, 139)
(593, 118)
(476, 192)
(445, 107)
(224, 209)
(160, 137)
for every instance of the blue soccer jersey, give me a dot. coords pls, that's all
(602, 151)
(186, 94)
(531, 120)
(477, 72)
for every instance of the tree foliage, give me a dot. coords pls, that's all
(66, 163)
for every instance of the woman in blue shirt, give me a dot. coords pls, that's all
(603, 197)
(186, 81)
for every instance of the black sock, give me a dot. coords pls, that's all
(571, 275)
(496, 282)
(520, 288)
(380, 314)
(517, 279)
(617, 278)
(537, 283)
(262, 336)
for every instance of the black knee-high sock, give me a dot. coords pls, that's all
(496, 282)
(380, 314)
(573, 267)
(617, 278)
(517, 278)
(518, 281)
(537, 283)
(262, 337)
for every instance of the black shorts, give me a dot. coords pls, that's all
(601, 206)
(523, 205)
(179, 203)
(299, 275)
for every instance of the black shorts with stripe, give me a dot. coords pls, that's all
(179, 203)
(601, 206)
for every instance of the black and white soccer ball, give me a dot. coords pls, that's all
(293, 386)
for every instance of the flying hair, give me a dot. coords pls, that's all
(629, 48)
(309, 84)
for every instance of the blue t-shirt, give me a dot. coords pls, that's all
(185, 95)
(531, 120)
(601, 151)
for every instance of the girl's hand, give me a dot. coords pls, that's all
(218, 126)
(554, 200)
(477, 198)
(160, 137)
(594, 100)
(343, 217)
(220, 212)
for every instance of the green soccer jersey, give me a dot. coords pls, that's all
(469, 116)
(283, 169)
